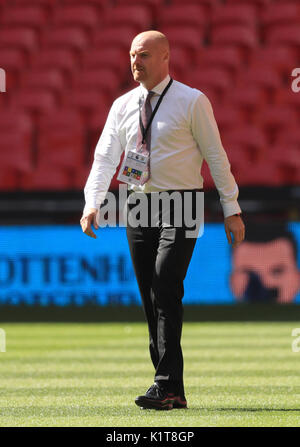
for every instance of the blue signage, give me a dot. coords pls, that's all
(59, 265)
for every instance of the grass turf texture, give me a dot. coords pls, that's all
(236, 374)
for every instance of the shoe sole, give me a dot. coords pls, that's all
(152, 404)
(180, 404)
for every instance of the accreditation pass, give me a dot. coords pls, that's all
(133, 167)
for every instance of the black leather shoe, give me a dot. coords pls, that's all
(156, 398)
(179, 402)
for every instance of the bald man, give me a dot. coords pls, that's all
(166, 130)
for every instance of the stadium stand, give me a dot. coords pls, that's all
(284, 34)
(35, 101)
(193, 16)
(63, 59)
(70, 56)
(16, 142)
(35, 17)
(51, 79)
(238, 14)
(66, 37)
(138, 17)
(22, 38)
(209, 5)
(216, 79)
(84, 16)
(190, 39)
(228, 58)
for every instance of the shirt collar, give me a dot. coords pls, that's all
(158, 89)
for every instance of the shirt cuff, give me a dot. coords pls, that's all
(90, 205)
(229, 209)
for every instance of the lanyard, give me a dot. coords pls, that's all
(144, 131)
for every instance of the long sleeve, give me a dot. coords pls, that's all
(206, 134)
(107, 157)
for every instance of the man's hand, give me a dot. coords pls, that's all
(89, 218)
(234, 225)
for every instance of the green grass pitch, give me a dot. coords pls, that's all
(236, 374)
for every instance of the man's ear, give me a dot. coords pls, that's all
(166, 56)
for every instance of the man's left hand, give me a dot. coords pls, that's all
(234, 225)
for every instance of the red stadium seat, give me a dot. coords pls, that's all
(182, 15)
(12, 59)
(236, 35)
(104, 79)
(238, 14)
(247, 172)
(97, 3)
(261, 173)
(47, 179)
(8, 179)
(61, 139)
(95, 126)
(237, 155)
(15, 140)
(228, 116)
(121, 36)
(286, 154)
(259, 4)
(212, 78)
(19, 37)
(284, 1)
(274, 118)
(208, 4)
(286, 158)
(138, 17)
(189, 38)
(262, 75)
(153, 5)
(179, 60)
(290, 136)
(48, 78)
(81, 176)
(115, 58)
(61, 58)
(248, 97)
(287, 13)
(281, 58)
(66, 37)
(228, 58)
(87, 101)
(77, 15)
(286, 96)
(250, 137)
(284, 35)
(48, 3)
(239, 160)
(31, 16)
(34, 101)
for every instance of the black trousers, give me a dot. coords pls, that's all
(161, 256)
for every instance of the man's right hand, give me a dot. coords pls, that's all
(89, 218)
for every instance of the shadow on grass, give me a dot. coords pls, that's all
(242, 409)
(119, 411)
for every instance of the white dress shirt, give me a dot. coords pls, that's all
(183, 133)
